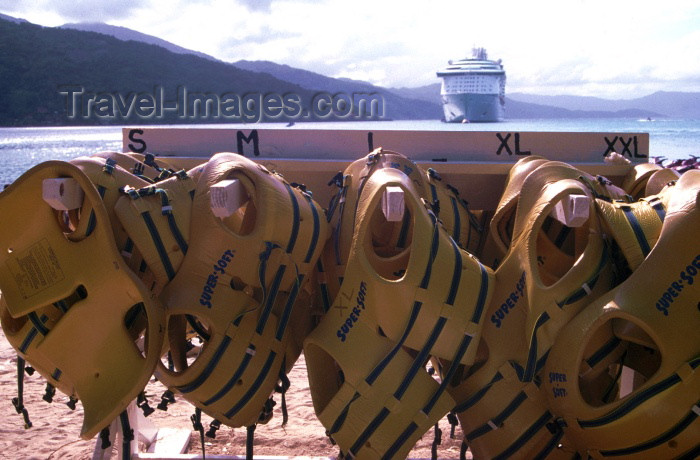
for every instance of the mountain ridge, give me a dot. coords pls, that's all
(126, 34)
(672, 104)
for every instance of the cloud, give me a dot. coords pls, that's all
(261, 35)
(10, 5)
(257, 5)
(77, 10)
(582, 45)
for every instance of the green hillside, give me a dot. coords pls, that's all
(37, 63)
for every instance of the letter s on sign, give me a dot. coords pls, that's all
(132, 137)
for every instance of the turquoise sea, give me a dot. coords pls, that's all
(22, 148)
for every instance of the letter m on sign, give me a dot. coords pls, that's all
(253, 136)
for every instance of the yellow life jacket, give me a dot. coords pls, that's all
(110, 179)
(89, 344)
(636, 179)
(559, 283)
(457, 292)
(649, 324)
(157, 219)
(660, 179)
(501, 415)
(461, 223)
(501, 232)
(501, 225)
(146, 167)
(465, 226)
(22, 331)
(540, 286)
(371, 394)
(239, 285)
(634, 227)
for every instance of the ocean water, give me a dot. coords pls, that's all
(22, 148)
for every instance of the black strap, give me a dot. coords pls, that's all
(167, 398)
(142, 402)
(72, 402)
(250, 435)
(104, 437)
(452, 418)
(213, 427)
(150, 160)
(49, 393)
(197, 425)
(282, 389)
(127, 435)
(18, 402)
(437, 440)
(266, 412)
(463, 450)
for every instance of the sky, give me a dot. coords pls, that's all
(602, 48)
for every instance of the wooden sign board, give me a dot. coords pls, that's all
(476, 162)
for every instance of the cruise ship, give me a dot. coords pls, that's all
(473, 89)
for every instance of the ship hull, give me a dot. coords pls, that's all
(462, 108)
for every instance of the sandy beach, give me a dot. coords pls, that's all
(56, 428)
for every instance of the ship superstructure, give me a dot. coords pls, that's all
(473, 89)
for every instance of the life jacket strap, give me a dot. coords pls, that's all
(282, 389)
(104, 438)
(249, 441)
(437, 440)
(142, 402)
(49, 393)
(463, 450)
(454, 421)
(213, 427)
(167, 398)
(18, 402)
(196, 419)
(127, 435)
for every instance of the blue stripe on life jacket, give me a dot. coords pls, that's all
(661, 439)
(433, 253)
(637, 229)
(196, 383)
(456, 274)
(637, 399)
(316, 231)
(287, 311)
(658, 206)
(270, 296)
(384, 362)
(457, 223)
(483, 291)
(447, 378)
(400, 441)
(403, 232)
(421, 358)
(38, 324)
(295, 219)
(254, 387)
(603, 351)
(234, 378)
(371, 428)
(499, 419)
(31, 335)
(525, 437)
(158, 243)
(529, 372)
(476, 397)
